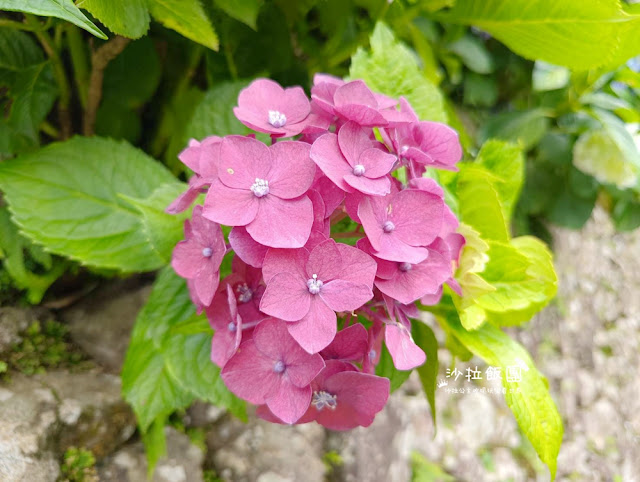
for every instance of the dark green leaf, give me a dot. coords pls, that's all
(245, 11)
(386, 369)
(520, 127)
(187, 17)
(425, 339)
(129, 18)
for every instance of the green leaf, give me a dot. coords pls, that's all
(506, 163)
(597, 153)
(570, 210)
(529, 398)
(425, 339)
(246, 11)
(525, 128)
(129, 18)
(155, 444)
(473, 53)
(213, 116)
(579, 34)
(163, 230)
(164, 369)
(626, 215)
(187, 17)
(12, 253)
(392, 69)
(387, 369)
(426, 471)
(64, 9)
(479, 202)
(67, 197)
(549, 77)
(31, 91)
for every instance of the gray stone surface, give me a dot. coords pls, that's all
(182, 464)
(12, 322)
(101, 323)
(43, 415)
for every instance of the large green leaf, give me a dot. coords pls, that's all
(528, 398)
(387, 369)
(67, 197)
(580, 34)
(186, 17)
(165, 370)
(245, 11)
(64, 9)
(392, 69)
(129, 18)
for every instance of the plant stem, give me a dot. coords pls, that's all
(99, 61)
(5, 22)
(59, 73)
(352, 234)
(80, 62)
(49, 130)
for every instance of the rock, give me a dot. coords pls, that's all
(101, 323)
(43, 415)
(129, 464)
(12, 322)
(267, 452)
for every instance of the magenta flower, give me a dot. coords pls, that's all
(400, 225)
(323, 90)
(199, 256)
(309, 287)
(406, 355)
(202, 159)
(263, 188)
(246, 283)
(408, 282)
(431, 144)
(227, 325)
(265, 106)
(374, 347)
(271, 368)
(349, 345)
(246, 248)
(344, 398)
(353, 160)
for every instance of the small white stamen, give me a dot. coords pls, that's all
(277, 119)
(358, 170)
(207, 252)
(404, 150)
(232, 326)
(314, 285)
(372, 355)
(244, 293)
(279, 367)
(388, 226)
(405, 267)
(323, 399)
(260, 187)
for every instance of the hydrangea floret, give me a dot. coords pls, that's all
(330, 251)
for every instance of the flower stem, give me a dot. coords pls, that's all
(79, 60)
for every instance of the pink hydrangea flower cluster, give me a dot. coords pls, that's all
(300, 321)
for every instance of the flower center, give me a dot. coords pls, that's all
(244, 293)
(372, 355)
(404, 150)
(314, 285)
(388, 226)
(207, 252)
(278, 366)
(323, 399)
(232, 326)
(404, 267)
(358, 170)
(260, 187)
(277, 119)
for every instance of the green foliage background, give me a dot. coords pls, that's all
(99, 96)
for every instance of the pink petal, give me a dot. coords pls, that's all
(187, 259)
(331, 194)
(350, 343)
(233, 207)
(393, 249)
(417, 216)
(246, 248)
(279, 261)
(290, 403)
(362, 114)
(327, 155)
(317, 329)
(405, 353)
(292, 171)
(206, 283)
(439, 141)
(302, 368)
(357, 265)
(324, 261)
(376, 187)
(372, 212)
(282, 223)
(242, 161)
(353, 140)
(355, 92)
(250, 375)
(377, 163)
(343, 295)
(286, 297)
